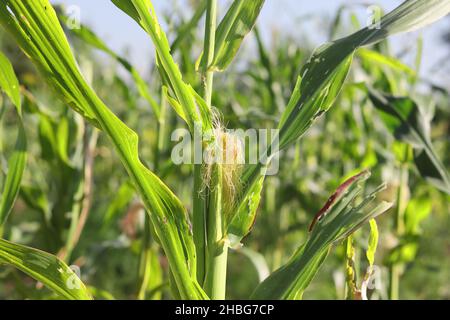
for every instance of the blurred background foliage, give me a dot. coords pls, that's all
(68, 159)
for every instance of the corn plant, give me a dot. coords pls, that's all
(225, 196)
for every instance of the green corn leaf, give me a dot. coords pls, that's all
(100, 294)
(370, 255)
(40, 35)
(129, 8)
(290, 129)
(323, 76)
(295, 97)
(325, 72)
(16, 168)
(243, 219)
(317, 94)
(174, 103)
(405, 121)
(143, 13)
(9, 83)
(64, 74)
(46, 268)
(373, 242)
(236, 24)
(88, 36)
(339, 218)
(17, 161)
(374, 57)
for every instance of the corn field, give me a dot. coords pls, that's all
(232, 168)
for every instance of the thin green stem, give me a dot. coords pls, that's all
(217, 247)
(394, 281)
(395, 269)
(200, 195)
(144, 260)
(212, 250)
(199, 221)
(210, 35)
(350, 275)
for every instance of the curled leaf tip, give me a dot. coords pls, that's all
(340, 191)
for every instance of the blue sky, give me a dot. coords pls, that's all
(281, 15)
